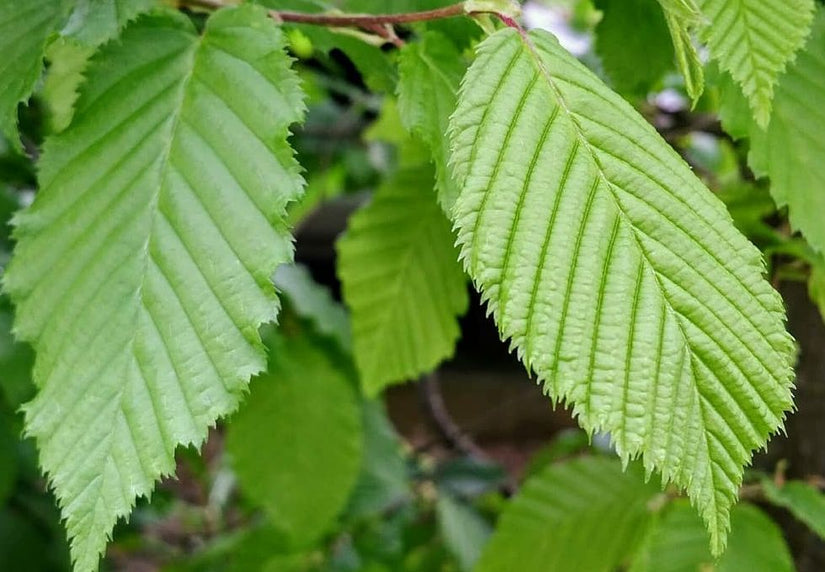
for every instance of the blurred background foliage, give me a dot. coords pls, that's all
(416, 480)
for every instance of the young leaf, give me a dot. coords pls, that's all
(296, 444)
(633, 42)
(753, 41)
(790, 151)
(617, 276)
(25, 29)
(586, 514)
(142, 270)
(95, 22)
(67, 62)
(803, 501)
(430, 72)
(676, 542)
(402, 281)
(687, 58)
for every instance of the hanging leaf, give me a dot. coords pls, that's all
(618, 277)
(142, 270)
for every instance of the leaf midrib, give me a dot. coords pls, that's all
(579, 131)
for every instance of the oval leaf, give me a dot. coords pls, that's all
(618, 276)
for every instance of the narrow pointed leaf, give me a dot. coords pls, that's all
(430, 72)
(402, 281)
(754, 41)
(618, 277)
(687, 58)
(142, 270)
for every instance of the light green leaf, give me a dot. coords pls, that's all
(676, 542)
(313, 302)
(430, 71)
(803, 501)
(754, 41)
(687, 58)
(94, 22)
(25, 29)
(790, 151)
(296, 444)
(633, 42)
(402, 282)
(585, 514)
(618, 277)
(464, 530)
(142, 270)
(67, 62)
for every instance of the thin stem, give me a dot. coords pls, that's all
(369, 22)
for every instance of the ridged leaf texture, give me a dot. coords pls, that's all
(402, 282)
(296, 444)
(676, 542)
(754, 40)
(682, 17)
(430, 71)
(790, 151)
(142, 270)
(25, 29)
(618, 277)
(585, 514)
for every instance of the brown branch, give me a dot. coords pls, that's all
(447, 427)
(380, 24)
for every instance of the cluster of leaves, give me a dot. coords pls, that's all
(142, 271)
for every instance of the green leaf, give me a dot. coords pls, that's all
(430, 72)
(803, 501)
(95, 22)
(142, 270)
(618, 277)
(313, 302)
(634, 44)
(384, 480)
(790, 151)
(676, 542)
(754, 41)
(816, 285)
(464, 530)
(296, 444)
(687, 58)
(25, 29)
(586, 514)
(67, 62)
(402, 282)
